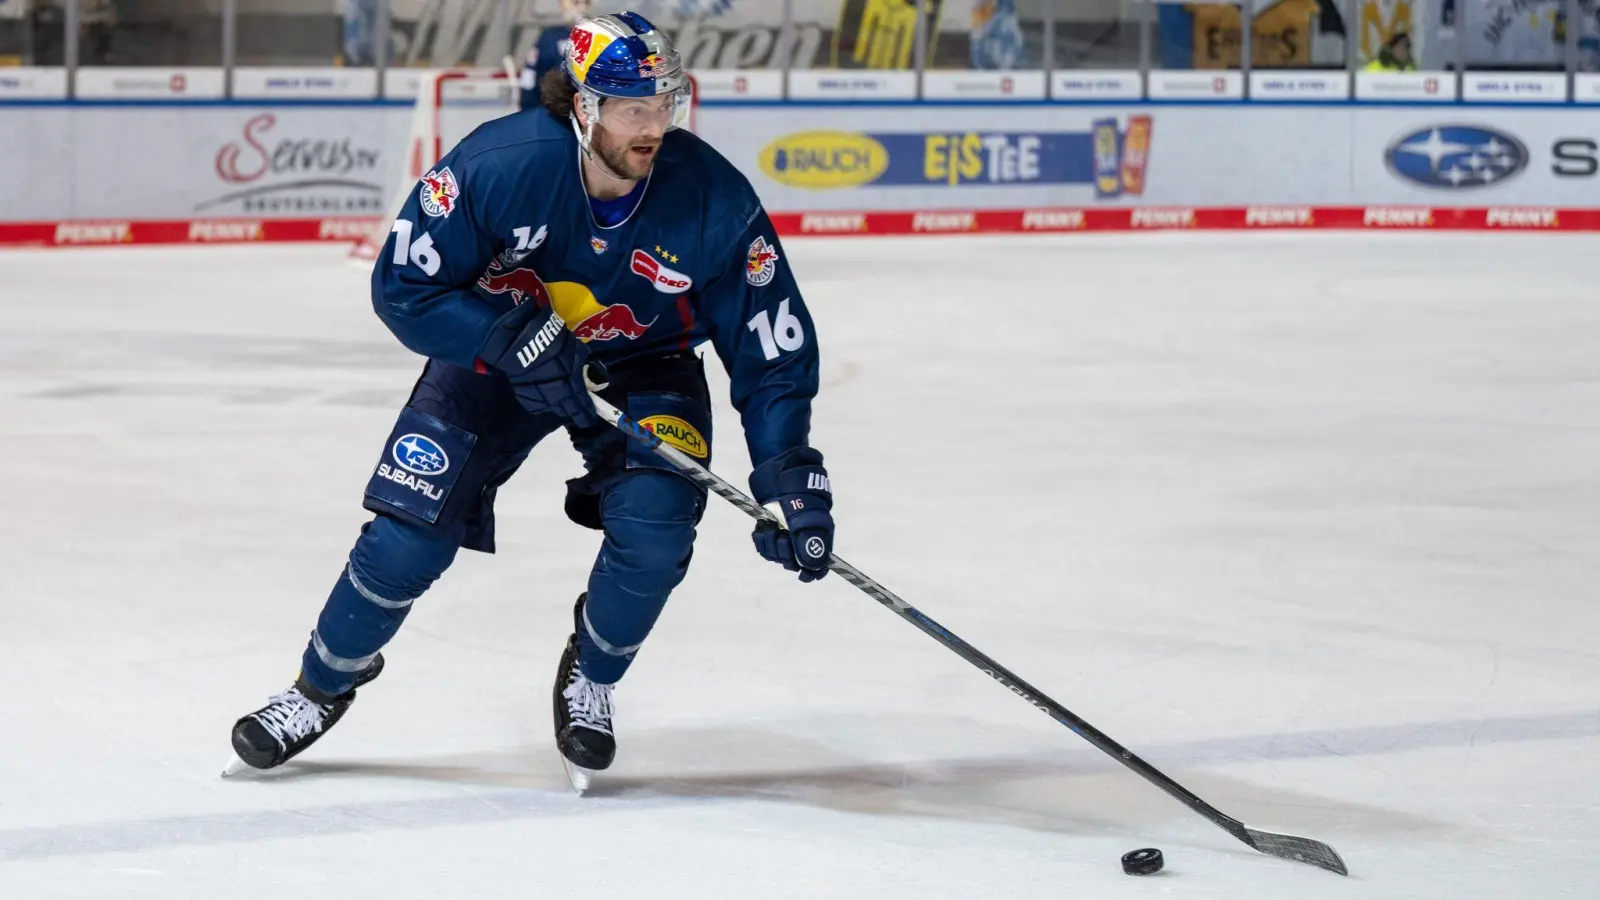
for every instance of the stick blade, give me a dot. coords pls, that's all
(1299, 849)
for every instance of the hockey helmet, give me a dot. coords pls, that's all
(624, 56)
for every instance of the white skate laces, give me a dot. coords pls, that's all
(588, 703)
(290, 716)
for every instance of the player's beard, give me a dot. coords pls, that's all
(618, 153)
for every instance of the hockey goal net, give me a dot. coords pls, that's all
(450, 104)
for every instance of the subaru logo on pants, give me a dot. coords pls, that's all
(419, 454)
(1456, 156)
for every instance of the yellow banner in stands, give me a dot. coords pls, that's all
(1282, 35)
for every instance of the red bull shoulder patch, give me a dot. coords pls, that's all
(761, 263)
(439, 192)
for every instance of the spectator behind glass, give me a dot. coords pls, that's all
(547, 51)
(98, 20)
(360, 24)
(1394, 55)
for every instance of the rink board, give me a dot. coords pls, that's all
(1056, 220)
(210, 172)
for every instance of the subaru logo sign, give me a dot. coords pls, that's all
(1456, 156)
(418, 454)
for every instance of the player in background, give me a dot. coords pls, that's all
(591, 234)
(547, 52)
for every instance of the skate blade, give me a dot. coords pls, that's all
(234, 767)
(578, 776)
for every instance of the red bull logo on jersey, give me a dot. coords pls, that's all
(616, 320)
(588, 318)
(439, 192)
(598, 245)
(521, 285)
(761, 262)
(667, 281)
(592, 320)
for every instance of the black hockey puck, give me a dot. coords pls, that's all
(1142, 862)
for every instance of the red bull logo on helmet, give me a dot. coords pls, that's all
(584, 46)
(652, 66)
(439, 192)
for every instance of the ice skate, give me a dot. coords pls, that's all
(582, 716)
(290, 722)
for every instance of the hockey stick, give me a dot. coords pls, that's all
(1284, 846)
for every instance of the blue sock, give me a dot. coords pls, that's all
(649, 520)
(391, 565)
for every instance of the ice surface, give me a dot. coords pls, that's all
(1309, 521)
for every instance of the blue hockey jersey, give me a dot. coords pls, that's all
(504, 219)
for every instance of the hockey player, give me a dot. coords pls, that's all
(547, 52)
(587, 234)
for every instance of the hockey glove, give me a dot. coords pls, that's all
(794, 487)
(545, 363)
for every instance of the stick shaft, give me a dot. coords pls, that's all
(980, 660)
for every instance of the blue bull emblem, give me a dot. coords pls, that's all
(418, 454)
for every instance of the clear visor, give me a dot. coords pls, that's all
(638, 115)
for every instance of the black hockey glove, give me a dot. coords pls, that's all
(794, 486)
(545, 363)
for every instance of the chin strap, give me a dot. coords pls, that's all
(585, 133)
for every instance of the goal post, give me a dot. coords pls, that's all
(450, 104)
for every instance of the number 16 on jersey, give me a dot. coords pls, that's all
(783, 335)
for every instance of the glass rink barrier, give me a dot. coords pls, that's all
(305, 119)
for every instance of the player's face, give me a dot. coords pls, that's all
(628, 135)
